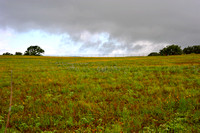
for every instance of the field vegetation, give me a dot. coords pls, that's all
(104, 94)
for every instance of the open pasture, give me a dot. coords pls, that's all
(104, 94)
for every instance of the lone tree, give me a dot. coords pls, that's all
(34, 50)
(171, 50)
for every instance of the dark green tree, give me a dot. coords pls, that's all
(171, 50)
(192, 49)
(18, 53)
(7, 53)
(34, 50)
(154, 54)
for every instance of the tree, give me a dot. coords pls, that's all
(192, 49)
(18, 53)
(7, 53)
(154, 54)
(171, 50)
(34, 50)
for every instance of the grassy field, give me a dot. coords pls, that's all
(122, 94)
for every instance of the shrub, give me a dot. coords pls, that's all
(154, 54)
(18, 53)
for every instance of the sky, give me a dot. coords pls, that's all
(98, 27)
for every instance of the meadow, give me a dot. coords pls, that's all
(101, 94)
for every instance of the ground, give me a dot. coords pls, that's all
(104, 94)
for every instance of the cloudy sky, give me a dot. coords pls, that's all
(73, 27)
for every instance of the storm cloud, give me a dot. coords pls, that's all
(133, 26)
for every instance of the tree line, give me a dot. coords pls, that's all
(168, 50)
(32, 50)
(176, 50)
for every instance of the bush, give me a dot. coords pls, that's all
(18, 53)
(154, 54)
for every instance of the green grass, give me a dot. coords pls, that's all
(122, 94)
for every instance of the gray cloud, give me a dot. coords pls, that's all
(127, 21)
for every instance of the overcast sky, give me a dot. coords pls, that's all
(69, 27)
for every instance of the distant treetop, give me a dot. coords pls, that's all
(171, 50)
(176, 50)
(7, 53)
(34, 50)
(18, 53)
(192, 49)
